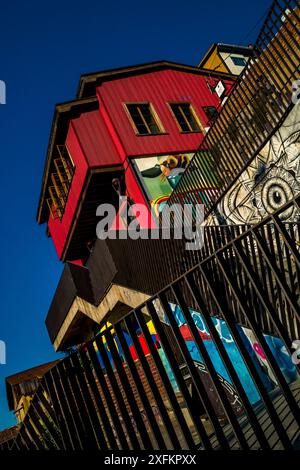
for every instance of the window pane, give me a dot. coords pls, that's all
(149, 118)
(211, 112)
(185, 117)
(143, 118)
(239, 61)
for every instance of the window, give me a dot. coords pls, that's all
(60, 178)
(186, 117)
(211, 112)
(240, 61)
(144, 118)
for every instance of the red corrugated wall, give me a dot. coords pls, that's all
(90, 145)
(106, 137)
(157, 88)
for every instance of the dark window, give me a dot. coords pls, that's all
(185, 116)
(211, 112)
(143, 118)
(241, 61)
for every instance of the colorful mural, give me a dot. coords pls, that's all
(231, 350)
(159, 176)
(279, 352)
(271, 180)
(253, 348)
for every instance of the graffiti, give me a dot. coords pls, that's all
(279, 353)
(296, 92)
(296, 354)
(231, 393)
(230, 347)
(270, 180)
(253, 348)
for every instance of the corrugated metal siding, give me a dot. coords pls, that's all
(93, 137)
(158, 88)
(95, 140)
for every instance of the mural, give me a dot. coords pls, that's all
(279, 352)
(159, 176)
(271, 180)
(231, 350)
(256, 353)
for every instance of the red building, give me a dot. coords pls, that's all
(126, 130)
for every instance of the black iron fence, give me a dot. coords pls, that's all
(144, 265)
(253, 112)
(163, 377)
(147, 265)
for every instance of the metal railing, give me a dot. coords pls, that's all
(144, 265)
(138, 385)
(257, 106)
(147, 265)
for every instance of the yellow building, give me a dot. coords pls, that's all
(21, 387)
(226, 58)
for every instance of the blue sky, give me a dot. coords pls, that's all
(44, 47)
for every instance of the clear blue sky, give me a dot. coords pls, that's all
(44, 47)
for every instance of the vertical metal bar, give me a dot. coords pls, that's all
(276, 369)
(106, 425)
(25, 437)
(248, 362)
(164, 377)
(35, 439)
(110, 404)
(59, 404)
(48, 423)
(227, 362)
(178, 375)
(277, 274)
(136, 413)
(231, 416)
(39, 396)
(67, 386)
(94, 427)
(194, 373)
(34, 417)
(279, 427)
(117, 392)
(138, 383)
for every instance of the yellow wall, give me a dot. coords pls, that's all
(214, 62)
(23, 406)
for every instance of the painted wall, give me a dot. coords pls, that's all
(214, 62)
(234, 69)
(105, 137)
(271, 180)
(159, 175)
(279, 352)
(90, 145)
(252, 346)
(158, 88)
(231, 348)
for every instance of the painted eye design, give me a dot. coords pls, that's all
(275, 193)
